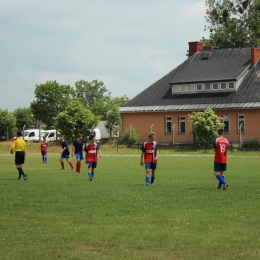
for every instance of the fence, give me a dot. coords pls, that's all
(191, 146)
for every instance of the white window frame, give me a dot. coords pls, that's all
(168, 120)
(234, 84)
(213, 86)
(223, 84)
(241, 119)
(226, 118)
(191, 87)
(199, 84)
(184, 86)
(209, 87)
(182, 119)
(176, 88)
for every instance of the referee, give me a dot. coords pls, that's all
(19, 147)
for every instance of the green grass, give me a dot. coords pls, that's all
(61, 215)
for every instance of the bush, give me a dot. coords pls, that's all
(251, 144)
(129, 136)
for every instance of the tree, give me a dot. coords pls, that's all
(205, 124)
(113, 121)
(74, 120)
(233, 23)
(23, 117)
(51, 99)
(129, 135)
(88, 93)
(7, 124)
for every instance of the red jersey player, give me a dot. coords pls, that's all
(220, 146)
(149, 156)
(44, 145)
(91, 149)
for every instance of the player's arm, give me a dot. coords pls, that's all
(72, 150)
(142, 159)
(100, 154)
(63, 149)
(156, 155)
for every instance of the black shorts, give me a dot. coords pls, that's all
(19, 157)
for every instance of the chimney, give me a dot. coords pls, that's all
(255, 55)
(195, 47)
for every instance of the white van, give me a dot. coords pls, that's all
(50, 135)
(95, 132)
(30, 135)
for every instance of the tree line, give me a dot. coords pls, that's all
(70, 110)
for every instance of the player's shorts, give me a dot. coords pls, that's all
(19, 157)
(64, 156)
(149, 165)
(220, 167)
(44, 153)
(79, 156)
(92, 165)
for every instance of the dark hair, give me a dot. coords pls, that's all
(91, 137)
(220, 131)
(79, 135)
(19, 133)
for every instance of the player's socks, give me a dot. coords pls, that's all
(147, 179)
(221, 179)
(62, 165)
(21, 172)
(220, 184)
(152, 179)
(71, 165)
(89, 175)
(79, 167)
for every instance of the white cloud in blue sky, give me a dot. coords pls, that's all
(126, 44)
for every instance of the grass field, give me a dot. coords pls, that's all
(61, 215)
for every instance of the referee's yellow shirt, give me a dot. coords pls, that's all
(18, 145)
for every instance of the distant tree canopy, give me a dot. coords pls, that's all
(51, 99)
(7, 124)
(74, 120)
(70, 110)
(24, 117)
(233, 23)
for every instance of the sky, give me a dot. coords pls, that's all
(127, 44)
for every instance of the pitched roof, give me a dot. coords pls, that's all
(222, 65)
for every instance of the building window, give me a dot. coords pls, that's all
(226, 122)
(168, 124)
(199, 87)
(184, 88)
(191, 87)
(241, 123)
(207, 86)
(223, 85)
(182, 125)
(231, 85)
(215, 86)
(175, 88)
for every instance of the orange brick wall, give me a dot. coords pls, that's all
(142, 122)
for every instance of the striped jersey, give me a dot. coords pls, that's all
(91, 152)
(150, 151)
(221, 147)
